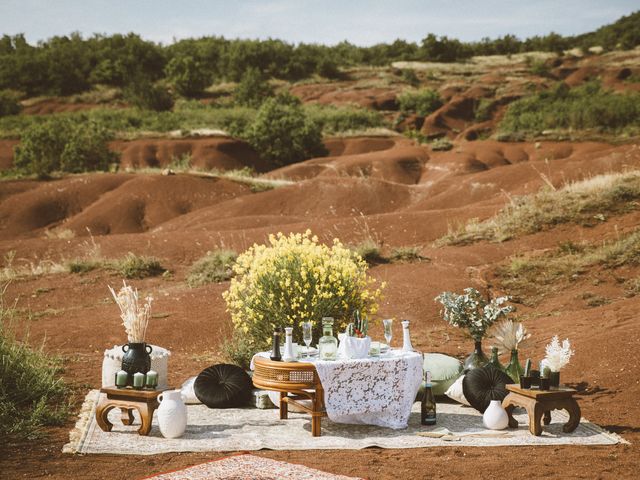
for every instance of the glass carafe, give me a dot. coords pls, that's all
(328, 344)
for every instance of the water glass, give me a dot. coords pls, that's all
(388, 330)
(307, 334)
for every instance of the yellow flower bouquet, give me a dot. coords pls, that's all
(293, 279)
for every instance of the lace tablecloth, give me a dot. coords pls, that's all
(373, 391)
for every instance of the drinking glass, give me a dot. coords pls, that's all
(388, 331)
(307, 335)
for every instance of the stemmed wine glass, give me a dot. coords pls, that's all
(388, 331)
(307, 334)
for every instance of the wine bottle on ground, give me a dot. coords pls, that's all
(428, 405)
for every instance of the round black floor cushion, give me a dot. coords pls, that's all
(481, 385)
(223, 386)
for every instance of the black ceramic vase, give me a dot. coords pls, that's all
(554, 379)
(136, 358)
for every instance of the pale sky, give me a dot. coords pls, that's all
(362, 22)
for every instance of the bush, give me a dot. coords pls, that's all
(9, 104)
(292, 279)
(214, 267)
(584, 107)
(421, 102)
(187, 76)
(409, 75)
(283, 134)
(406, 254)
(32, 394)
(253, 89)
(62, 145)
(134, 266)
(332, 119)
(144, 94)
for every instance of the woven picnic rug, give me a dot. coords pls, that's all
(246, 429)
(248, 467)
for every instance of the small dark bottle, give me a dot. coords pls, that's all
(275, 347)
(428, 405)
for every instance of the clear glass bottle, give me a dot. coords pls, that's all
(514, 369)
(428, 403)
(328, 344)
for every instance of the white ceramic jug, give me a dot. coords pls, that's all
(495, 417)
(288, 355)
(172, 414)
(406, 337)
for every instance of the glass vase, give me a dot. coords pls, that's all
(495, 361)
(477, 358)
(514, 369)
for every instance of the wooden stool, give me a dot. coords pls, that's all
(298, 378)
(126, 399)
(539, 404)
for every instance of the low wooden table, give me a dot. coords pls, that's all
(127, 399)
(299, 379)
(539, 404)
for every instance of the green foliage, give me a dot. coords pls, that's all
(142, 93)
(332, 119)
(443, 49)
(187, 76)
(370, 251)
(135, 266)
(484, 109)
(421, 102)
(62, 145)
(472, 311)
(283, 134)
(586, 107)
(9, 104)
(32, 393)
(214, 267)
(238, 350)
(253, 89)
(409, 75)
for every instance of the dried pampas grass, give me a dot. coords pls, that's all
(135, 317)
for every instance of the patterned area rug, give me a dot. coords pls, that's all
(249, 467)
(245, 429)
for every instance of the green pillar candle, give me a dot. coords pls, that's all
(138, 380)
(122, 378)
(152, 379)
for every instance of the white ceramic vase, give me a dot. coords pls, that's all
(172, 414)
(357, 347)
(289, 355)
(406, 337)
(495, 417)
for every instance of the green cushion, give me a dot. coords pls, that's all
(444, 371)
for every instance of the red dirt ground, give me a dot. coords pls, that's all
(387, 189)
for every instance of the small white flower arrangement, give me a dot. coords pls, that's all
(558, 355)
(135, 317)
(509, 335)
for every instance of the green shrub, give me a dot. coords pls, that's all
(32, 394)
(238, 350)
(9, 104)
(62, 145)
(370, 251)
(214, 267)
(253, 89)
(144, 94)
(421, 102)
(441, 145)
(406, 254)
(134, 266)
(409, 75)
(332, 119)
(283, 134)
(187, 76)
(585, 107)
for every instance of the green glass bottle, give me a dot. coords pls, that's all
(477, 359)
(514, 369)
(495, 361)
